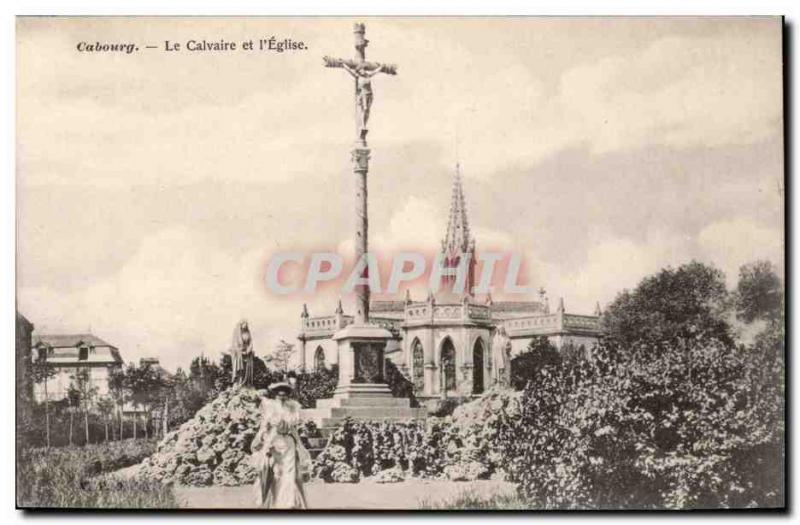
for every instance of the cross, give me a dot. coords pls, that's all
(361, 71)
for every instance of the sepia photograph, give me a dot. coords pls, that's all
(400, 263)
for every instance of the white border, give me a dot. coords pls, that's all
(789, 8)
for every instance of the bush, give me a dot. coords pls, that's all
(415, 448)
(644, 429)
(70, 477)
(318, 384)
(524, 366)
(400, 384)
(446, 406)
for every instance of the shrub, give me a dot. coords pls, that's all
(466, 471)
(524, 366)
(399, 384)
(645, 429)
(446, 406)
(416, 448)
(318, 384)
(390, 475)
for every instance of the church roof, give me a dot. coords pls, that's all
(386, 306)
(517, 306)
(457, 238)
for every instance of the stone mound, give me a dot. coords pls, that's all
(213, 447)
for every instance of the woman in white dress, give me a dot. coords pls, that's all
(282, 462)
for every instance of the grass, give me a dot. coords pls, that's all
(73, 477)
(471, 500)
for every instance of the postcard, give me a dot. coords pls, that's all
(400, 263)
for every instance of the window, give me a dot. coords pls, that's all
(83, 353)
(319, 359)
(448, 365)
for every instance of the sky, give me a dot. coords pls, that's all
(153, 187)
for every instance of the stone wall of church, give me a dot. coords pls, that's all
(329, 350)
(454, 342)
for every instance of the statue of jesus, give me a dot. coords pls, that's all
(362, 72)
(364, 94)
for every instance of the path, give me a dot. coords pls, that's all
(364, 495)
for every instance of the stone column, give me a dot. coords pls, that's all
(360, 169)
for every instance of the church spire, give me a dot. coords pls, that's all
(457, 239)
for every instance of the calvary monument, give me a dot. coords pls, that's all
(361, 390)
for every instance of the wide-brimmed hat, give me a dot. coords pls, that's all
(274, 388)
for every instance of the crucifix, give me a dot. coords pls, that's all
(362, 72)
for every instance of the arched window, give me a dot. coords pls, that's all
(418, 366)
(319, 359)
(477, 367)
(448, 364)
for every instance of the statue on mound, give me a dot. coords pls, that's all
(242, 355)
(501, 357)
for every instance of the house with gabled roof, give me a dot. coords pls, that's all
(70, 353)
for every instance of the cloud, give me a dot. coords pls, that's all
(152, 188)
(178, 296)
(683, 92)
(165, 119)
(612, 264)
(733, 243)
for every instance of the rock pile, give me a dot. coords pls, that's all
(213, 447)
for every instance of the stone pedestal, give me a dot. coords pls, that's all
(361, 392)
(361, 361)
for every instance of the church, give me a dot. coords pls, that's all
(444, 344)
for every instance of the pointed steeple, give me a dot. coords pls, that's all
(560, 305)
(304, 313)
(457, 238)
(597, 311)
(408, 296)
(339, 309)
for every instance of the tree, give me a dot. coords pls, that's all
(759, 293)
(145, 384)
(262, 377)
(42, 372)
(281, 356)
(524, 366)
(105, 406)
(205, 374)
(118, 390)
(670, 306)
(696, 423)
(82, 392)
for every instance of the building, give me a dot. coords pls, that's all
(443, 344)
(68, 354)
